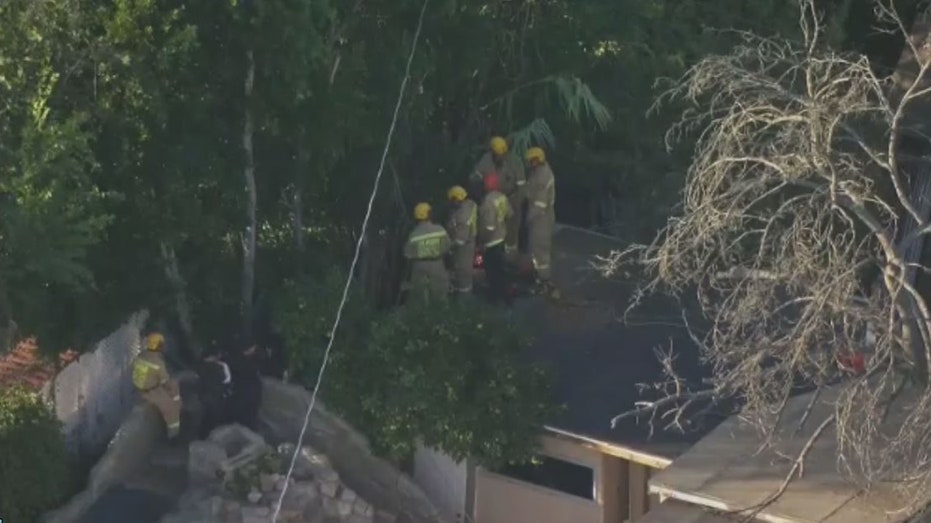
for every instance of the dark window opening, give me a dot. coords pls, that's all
(556, 474)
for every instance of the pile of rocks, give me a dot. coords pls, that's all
(235, 477)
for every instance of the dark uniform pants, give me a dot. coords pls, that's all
(495, 272)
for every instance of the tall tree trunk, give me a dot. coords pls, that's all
(182, 304)
(297, 202)
(7, 325)
(248, 242)
(297, 222)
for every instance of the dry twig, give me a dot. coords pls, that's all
(797, 198)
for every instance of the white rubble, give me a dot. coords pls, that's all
(230, 482)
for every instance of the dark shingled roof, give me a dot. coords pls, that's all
(24, 366)
(597, 357)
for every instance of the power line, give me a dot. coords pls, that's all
(355, 261)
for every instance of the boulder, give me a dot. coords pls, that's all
(301, 502)
(211, 507)
(267, 482)
(242, 446)
(363, 508)
(256, 511)
(231, 509)
(279, 485)
(256, 515)
(383, 516)
(308, 464)
(348, 495)
(343, 509)
(205, 462)
(330, 508)
(328, 489)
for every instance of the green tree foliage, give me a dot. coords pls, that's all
(128, 115)
(447, 374)
(121, 138)
(34, 467)
(50, 209)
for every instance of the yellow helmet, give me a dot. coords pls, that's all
(421, 211)
(535, 153)
(154, 341)
(499, 145)
(457, 193)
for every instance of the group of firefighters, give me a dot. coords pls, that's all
(229, 393)
(512, 200)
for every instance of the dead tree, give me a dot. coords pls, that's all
(798, 236)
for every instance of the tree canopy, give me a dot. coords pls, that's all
(123, 125)
(205, 160)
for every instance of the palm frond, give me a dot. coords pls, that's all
(574, 95)
(579, 102)
(536, 132)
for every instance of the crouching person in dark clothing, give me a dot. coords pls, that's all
(216, 387)
(247, 386)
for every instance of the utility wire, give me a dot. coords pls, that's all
(355, 261)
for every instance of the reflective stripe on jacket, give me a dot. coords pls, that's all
(541, 192)
(492, 217)
(511, 174)
(426, 242)
(463, 224)
(149, 371)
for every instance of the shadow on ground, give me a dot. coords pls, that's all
(121, 504)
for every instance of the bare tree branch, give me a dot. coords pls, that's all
(800, 235)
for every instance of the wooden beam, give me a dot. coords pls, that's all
(639, 502)
(615, 493)
(715, 504)
(648, 459)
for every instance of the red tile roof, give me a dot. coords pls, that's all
(25, 366)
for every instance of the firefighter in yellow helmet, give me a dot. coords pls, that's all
(462, 227)
(511, 182)
(426, 249)
(151, 379)
(541, 217)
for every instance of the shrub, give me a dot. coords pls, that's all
(35, 472)
(444, 373)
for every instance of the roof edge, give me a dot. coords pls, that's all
(657, 461)
(710, 503)
(583, 230)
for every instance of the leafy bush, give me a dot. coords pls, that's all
(35, 473)
(304, 316)
(248, 478)
(446, 374)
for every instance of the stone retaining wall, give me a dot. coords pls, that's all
(127, 452)
(374, 479)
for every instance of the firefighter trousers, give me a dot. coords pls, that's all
(463, 261)
(167, 399)
(513, 225)
(496, 274)
(540, 236)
